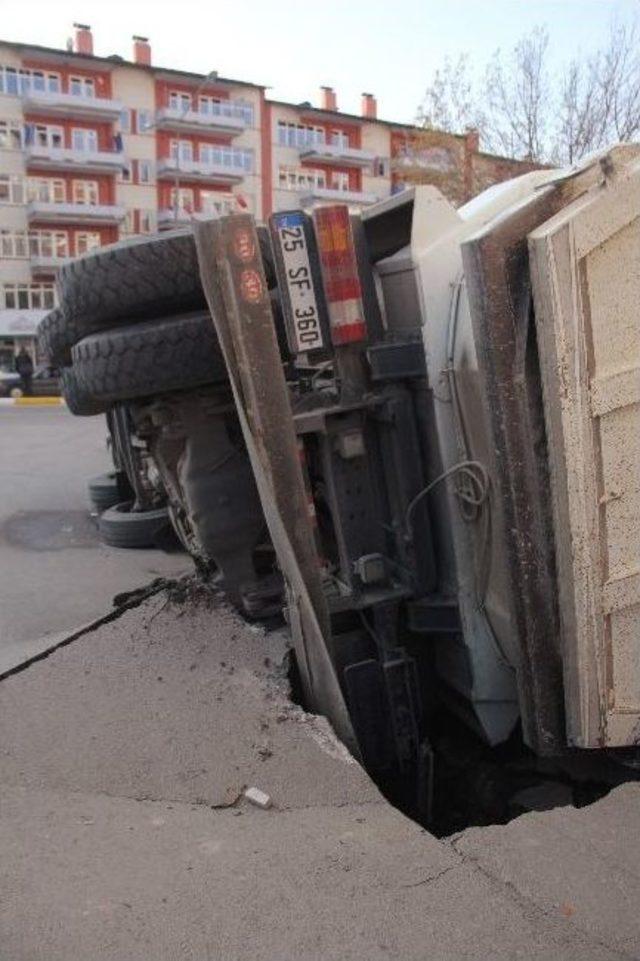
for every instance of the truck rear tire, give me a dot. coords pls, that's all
(79, 401)
(119, 526)
(133, 279)
(53, 339)
(139, 277)
(105, 490)
(150, 357)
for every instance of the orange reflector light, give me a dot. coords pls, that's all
(340, 274)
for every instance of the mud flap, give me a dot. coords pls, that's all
(235, 286)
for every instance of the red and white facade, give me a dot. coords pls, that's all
(93, 149)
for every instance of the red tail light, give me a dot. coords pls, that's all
(340, 274)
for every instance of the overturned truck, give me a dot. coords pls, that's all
(415, 431)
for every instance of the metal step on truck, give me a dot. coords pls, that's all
(414, 432)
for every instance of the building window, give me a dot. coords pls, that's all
(182, 150)
(11, 189)
(215, 202)
(339, 139)
(127, 223)
(11, 135)
(18, 81)
(301, 178)
(144, 171)
(82, 86)
(86, 240)
(19, 245)
(48, 243)
(125, 120)
(299, 135)
(339, 180)
(144, 120)
(147, 221)
(180, 101)
(46, 189)
(45, 135)
(85, 192)
(84, 140)
(216, 107)
(29, 296)
(209, 105)
(232, 157)
(13, 246)
(380, 167)
(182, 198)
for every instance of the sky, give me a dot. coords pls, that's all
(386, 47)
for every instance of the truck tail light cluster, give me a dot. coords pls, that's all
(340, 274)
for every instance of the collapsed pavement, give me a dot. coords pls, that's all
(125, 833)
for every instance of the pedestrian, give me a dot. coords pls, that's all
(24, 366)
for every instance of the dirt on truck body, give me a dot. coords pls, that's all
(414, 431)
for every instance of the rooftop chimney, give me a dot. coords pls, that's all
(141, 50)
(328, 99)
(83, 42)
(369, 106)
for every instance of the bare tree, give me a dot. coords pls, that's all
(449, 101)
(516, 95)
(529, 112)
(618, 79)
(582, 122)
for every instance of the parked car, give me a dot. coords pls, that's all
(45, 383)
(10, 384)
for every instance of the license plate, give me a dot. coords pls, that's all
(305, 328)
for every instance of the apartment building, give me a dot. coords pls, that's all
(93, 149)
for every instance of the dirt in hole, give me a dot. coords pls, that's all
(462, 782)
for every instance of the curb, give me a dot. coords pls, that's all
(31, 401)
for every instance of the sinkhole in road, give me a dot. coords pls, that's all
(457, 781)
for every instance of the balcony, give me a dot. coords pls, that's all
(311, 195)
(74, 213)
(167, 216)
(80, 161)
(341, 156)
(76, 106)
(46, 265)
(223, 118)
(224, 173)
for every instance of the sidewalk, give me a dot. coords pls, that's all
(122, 756)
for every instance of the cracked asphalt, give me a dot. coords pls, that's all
(55, 572)
(122, 837)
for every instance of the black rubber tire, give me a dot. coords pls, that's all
(52, 339)
(104, 491)
(78, 400)
(119, 526)
(135, 278)
(150, 357)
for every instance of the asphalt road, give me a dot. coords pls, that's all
(124, 835)
(56, 574)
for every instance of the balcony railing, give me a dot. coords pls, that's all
(68, 158)
(168, 215)
(333, 154)
(80, 106)
(310, 195)
(231, 117)
(46, 264)
(230, 169)
(72, 213)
